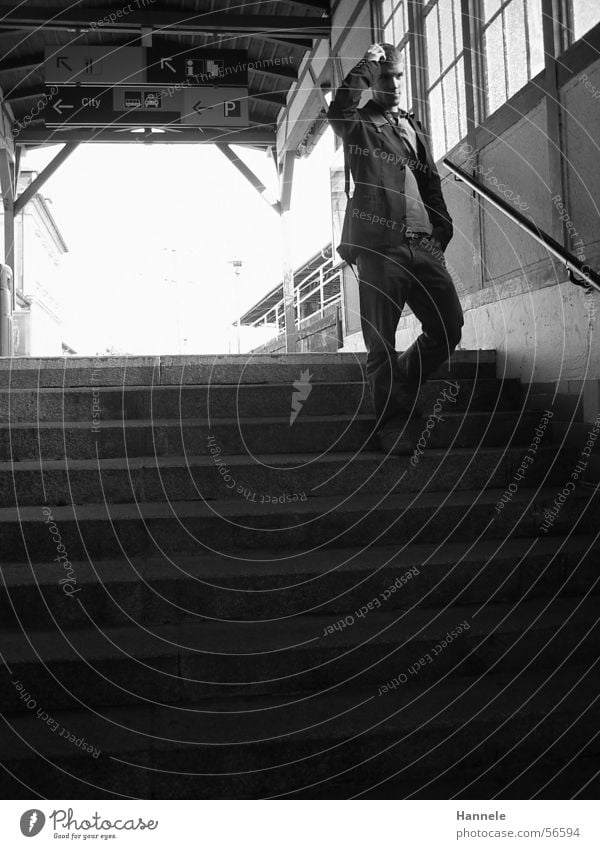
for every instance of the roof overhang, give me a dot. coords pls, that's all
(276, 37)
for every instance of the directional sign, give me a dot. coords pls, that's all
(133, 66)
(96, 65)
(197, 67)
(87, 106)
(215, 107)
(143, 106)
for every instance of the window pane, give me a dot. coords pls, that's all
(462, 99)
(516, 46)
(400, 19)
(458, 27)
(451, 110)
(494, 61)
(433, 45)
(406, 99)
(586, 14)
(388, 34)
(447, 33)
(438, 137)
(386, 11)
(536, 36)
(490, 8)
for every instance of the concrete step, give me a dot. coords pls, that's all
(115, 530)
(489, 729)
(334, 582)
(383, 650)
(546, 777)
(19, 372)
(274, 476)
(228, 401)
(322, 434)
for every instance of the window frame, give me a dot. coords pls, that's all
(406, 41)
(474, 64)
(432, 7)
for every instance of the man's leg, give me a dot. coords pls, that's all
(433, 299)
(381, 292)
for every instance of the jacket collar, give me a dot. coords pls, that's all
(377, 116)
(373, 112)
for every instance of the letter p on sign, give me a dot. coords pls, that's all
(233, 108)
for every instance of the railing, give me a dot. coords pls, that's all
(320, 289)
(579, 273)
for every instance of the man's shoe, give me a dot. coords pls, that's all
(396, 442)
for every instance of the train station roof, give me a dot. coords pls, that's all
(269, 41)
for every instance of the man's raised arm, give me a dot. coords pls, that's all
(343, 112)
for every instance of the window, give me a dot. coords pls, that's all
(508, 36)
(585, 14)
(394, 25)
(446, 74)
(513, 47)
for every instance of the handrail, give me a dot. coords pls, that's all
(574, 266)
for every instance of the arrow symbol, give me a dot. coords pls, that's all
(60, 109)
(166, 63)
(198, 107)
(61, 61)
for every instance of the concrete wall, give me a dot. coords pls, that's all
(319, 334)
(581, 101)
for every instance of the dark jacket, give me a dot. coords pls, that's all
(376, 214)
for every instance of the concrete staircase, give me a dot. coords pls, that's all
(215, 586)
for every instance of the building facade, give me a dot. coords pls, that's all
(39, 246)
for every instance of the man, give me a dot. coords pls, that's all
(396, 229)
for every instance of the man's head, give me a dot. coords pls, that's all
(388, 86)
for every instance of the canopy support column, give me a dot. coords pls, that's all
(291, 333)
(248, 174)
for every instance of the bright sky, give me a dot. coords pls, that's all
(150, 231)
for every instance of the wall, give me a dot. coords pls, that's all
(320, 334)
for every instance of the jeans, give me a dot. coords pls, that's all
(413, 274)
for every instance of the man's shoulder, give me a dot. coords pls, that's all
(372, 113)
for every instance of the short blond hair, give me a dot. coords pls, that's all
(392, 54)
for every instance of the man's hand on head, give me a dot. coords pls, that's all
(375, 53)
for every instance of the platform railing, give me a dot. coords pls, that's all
(313, 295)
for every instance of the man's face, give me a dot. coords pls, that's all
(388, 87)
